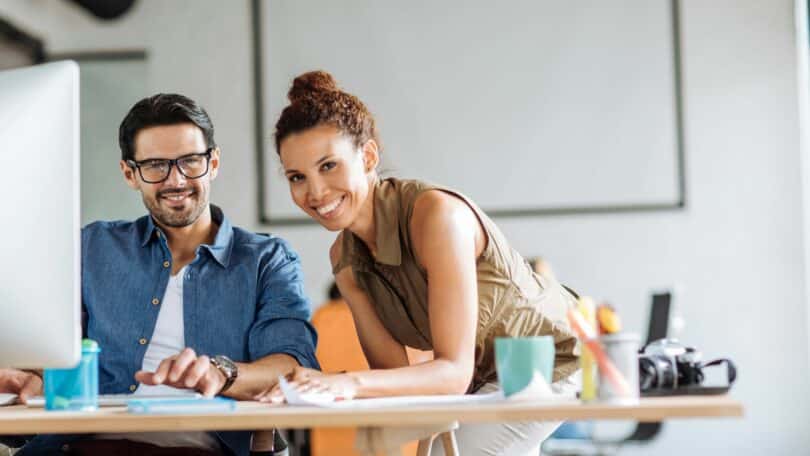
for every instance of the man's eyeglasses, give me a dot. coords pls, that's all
(155, 171)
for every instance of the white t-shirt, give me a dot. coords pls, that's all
(167, 340)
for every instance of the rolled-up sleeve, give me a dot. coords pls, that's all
(282, 319)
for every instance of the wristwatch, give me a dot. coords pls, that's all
(228, 369)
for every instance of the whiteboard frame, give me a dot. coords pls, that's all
(680, 203)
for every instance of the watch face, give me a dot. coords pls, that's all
(226, 365)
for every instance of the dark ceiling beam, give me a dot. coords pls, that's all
(105, 9)
(29, 44)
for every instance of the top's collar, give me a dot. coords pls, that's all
(386, 221)
(220, 250)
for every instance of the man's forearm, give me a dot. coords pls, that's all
(260, 375)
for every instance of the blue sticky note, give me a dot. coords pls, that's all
(190, 405)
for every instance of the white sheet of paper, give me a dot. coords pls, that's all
(293, 397)
(537, 389)
(7, 399)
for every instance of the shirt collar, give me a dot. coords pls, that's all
(220, 250)
(223, 242)
(386, 220)
(149, 231)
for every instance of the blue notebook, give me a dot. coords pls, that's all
(190, 405)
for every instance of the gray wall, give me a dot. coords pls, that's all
(735, 253)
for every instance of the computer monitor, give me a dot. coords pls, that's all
(40, 302)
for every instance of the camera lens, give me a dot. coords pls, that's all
(656, 372)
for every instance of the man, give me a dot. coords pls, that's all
(180, 298)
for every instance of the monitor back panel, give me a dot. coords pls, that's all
(40, 322)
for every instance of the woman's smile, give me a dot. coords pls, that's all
(331, 209)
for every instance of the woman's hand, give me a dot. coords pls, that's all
(306, 380)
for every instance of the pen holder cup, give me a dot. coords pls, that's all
(622, 350)
(75, 388)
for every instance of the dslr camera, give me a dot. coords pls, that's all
(666, 364)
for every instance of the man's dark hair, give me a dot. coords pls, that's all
(162, 109)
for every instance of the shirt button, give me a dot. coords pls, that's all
(155, 301)
(166, 264)
(133, 387)
(65, 448)
(142, 341)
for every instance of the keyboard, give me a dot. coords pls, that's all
(115, 400)
(7, 399)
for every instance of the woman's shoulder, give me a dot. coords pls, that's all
(401, 195)
(420, 198)
(434, 203)
(406, 188)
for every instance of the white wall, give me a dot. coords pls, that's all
(735, 252)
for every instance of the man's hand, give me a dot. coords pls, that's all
(23, 384)
(186, 370)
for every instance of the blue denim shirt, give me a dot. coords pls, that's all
(243, 297)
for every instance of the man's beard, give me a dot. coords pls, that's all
(174, 218)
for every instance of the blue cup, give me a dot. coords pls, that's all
(517, 359)
(75, 388)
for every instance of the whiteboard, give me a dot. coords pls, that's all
(528, 107)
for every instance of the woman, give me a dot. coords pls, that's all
(420, 265)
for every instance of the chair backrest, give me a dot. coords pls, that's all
(657, 329)
(659, 316)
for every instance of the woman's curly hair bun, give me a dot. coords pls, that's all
(310, 84)
(316, 99)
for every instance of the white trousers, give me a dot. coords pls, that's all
(474, 439)
(505, 439)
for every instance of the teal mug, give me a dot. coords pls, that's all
(518, 358)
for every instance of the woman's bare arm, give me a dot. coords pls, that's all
(447, 238)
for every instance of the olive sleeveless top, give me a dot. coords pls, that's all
(513, 301)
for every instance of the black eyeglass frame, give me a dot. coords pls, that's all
(173, 162)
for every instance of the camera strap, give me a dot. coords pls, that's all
(731, 369)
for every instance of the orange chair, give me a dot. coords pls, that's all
(339, 350)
